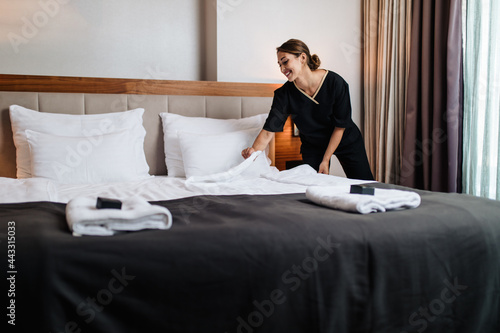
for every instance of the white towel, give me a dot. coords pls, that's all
(136, 214)
(338, 197)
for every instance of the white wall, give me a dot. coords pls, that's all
(113, 38)
(126, 38)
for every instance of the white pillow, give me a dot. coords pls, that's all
(174, 123)
(23, 119)
(205, 154)
(86, 159)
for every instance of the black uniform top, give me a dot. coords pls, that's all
(315, 116)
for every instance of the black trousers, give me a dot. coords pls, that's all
(352, 158)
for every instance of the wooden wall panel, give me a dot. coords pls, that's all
(287, 146)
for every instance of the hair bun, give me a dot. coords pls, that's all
(315, 62)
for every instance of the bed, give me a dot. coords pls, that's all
(251, 255)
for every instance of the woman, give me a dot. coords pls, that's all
(319, 103)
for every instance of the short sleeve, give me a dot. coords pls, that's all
(279, 112)
(342, 106)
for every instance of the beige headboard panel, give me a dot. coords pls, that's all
(222, 107)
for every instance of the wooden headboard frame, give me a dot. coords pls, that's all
(286, 145)
(91, 85)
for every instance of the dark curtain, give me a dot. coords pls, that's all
(433, 129)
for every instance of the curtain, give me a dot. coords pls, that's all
(386, 65)
(482, 99)
(432, 142)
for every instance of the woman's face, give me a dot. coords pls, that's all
(290, 65)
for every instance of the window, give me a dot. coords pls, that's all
(481, 151)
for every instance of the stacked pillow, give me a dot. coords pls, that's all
(196, 146)
(73, 149)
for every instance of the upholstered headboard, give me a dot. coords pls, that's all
(94, 95)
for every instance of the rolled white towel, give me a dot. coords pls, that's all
(338, 197)
(135, 214)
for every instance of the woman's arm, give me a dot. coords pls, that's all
(260, 143)
(337, 134)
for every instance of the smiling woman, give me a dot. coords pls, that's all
(319, 103)
(290, 51)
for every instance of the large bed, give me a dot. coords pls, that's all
(251, 255)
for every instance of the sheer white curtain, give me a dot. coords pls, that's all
(481, 151)
(387, 28)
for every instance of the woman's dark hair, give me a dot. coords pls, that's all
(297, 47)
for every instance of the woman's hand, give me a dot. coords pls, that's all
(247, 152)
(260, 143)
(324, 167)
(337, 134)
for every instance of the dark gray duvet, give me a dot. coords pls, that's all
(258, 263)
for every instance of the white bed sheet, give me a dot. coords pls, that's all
(27, 190)
(161, 188)
(167, 188)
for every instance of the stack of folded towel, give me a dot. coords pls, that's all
(135, 214)
(339, 197)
